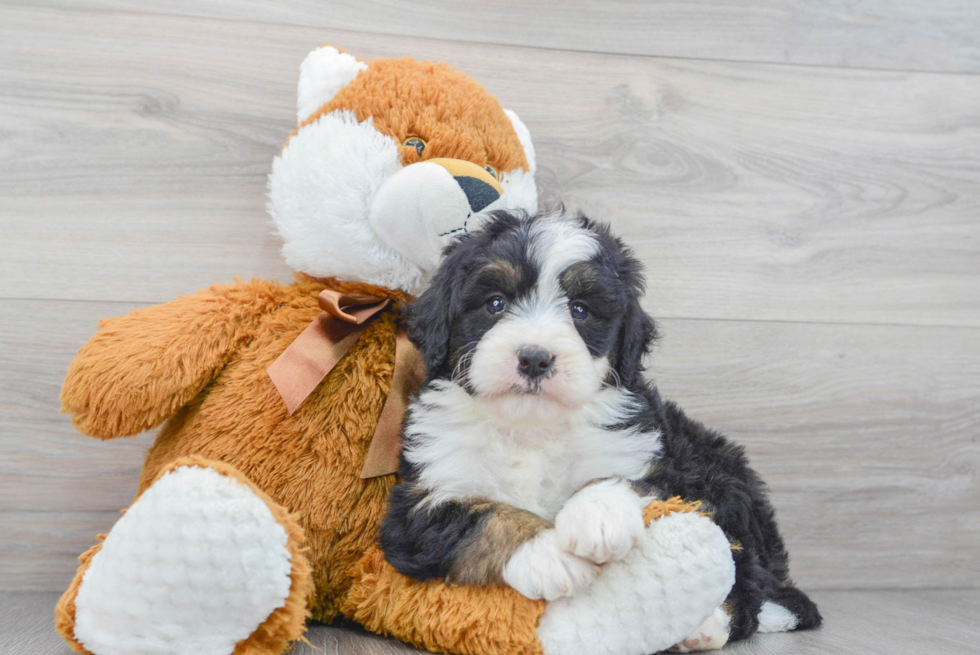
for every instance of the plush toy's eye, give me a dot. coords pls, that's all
(578, 310)
(496, 305)
(415, 142)
(490, 169)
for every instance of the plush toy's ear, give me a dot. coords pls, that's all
(323, 73)
(525, 138)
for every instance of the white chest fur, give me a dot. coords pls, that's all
(463, 452)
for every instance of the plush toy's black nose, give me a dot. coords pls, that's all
(478, 193)
(533, 362)
(479, 185)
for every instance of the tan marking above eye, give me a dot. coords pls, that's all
(505, 268)
(578, 278)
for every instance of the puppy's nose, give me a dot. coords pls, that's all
(533, 362)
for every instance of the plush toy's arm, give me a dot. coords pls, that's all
(139, 369)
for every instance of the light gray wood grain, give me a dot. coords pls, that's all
(867, 435)
(45, 465)
(27, 624)
(867, 622)
(39, 550)
(943, 622)
(136, 148)
(937, 35)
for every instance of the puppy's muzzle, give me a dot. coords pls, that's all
(534, 362)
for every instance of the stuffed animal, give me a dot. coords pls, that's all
(259, 502)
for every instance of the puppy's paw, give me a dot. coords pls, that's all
(601, 522)
(712, 635)
(540, 569)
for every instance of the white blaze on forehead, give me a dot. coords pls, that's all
(542, 320)
(557, 243)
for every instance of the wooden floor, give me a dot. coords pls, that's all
(802, 180)
(937, 622)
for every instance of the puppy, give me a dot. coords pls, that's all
(535, 441)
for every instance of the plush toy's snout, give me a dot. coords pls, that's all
(419, 209)
(480, 187)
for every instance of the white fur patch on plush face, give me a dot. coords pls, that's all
(541, 320)
(463, 449)
(320, 193)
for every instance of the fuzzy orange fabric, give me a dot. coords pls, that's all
(452, 112)
(660, 508)
(64, 611)
(466, 620)
(203, 359)
(443, 618)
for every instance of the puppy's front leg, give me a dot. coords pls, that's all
(476, 541)
(602, 521)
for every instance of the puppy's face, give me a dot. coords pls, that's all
(534, 316)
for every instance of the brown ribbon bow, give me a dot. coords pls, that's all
(314, 353)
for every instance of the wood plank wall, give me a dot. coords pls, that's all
(802, 180)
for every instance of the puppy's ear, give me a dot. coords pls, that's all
(636, 335)
(429, 320)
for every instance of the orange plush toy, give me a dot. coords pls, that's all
(259, 502)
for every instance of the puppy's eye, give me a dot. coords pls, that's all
(578, 310)
(490, 169)
(496, 305)
(415, 142)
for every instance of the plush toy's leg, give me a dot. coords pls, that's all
(658, 595)
(203, 562)
(710, 635)
(653, 598)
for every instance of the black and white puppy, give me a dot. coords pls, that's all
(535, 441)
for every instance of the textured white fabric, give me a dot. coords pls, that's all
(194, 566)
(776, 618)
(323, 73)
(650, 600)
(320, 193)
(524, 136)
(711, 635)
(418, 211)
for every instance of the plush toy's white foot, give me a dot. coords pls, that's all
(601, 522)
(656, 596)
(194, 566)
(540, 569)
(711, 635)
